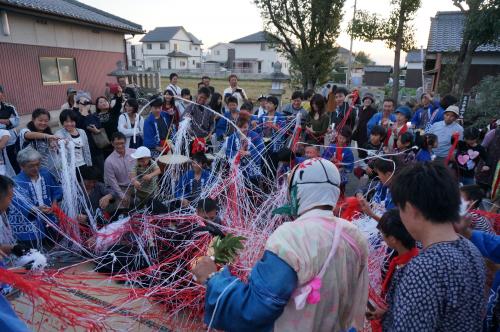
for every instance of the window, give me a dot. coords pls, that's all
(190, 47)
(262, 47)
(193, 62)
(156, 64)
(169, 63)
(183, 63)
(162, 46)
(217, 52)
(196, 48)
(175, 47)
(149, 46)
(58, 70)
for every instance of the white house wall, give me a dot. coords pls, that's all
(29, 30)
(268, 57)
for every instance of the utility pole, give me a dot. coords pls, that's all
(349, 65)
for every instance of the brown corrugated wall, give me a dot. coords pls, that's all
(22, 81)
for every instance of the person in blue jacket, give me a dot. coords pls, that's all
(223, 128)
(36, 191)
(250, 146)
(270, 126)
(157, 127)
(427, 114)
(193, 181)
(385, 118)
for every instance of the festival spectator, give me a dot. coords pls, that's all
(9, 120)
(117, 169)
(205, 81)
(374, 147)
(129, 91)
(193, 181)
(108, 115)
(8, 318)
(366, 112)
(405, 150)
(291, 264)
(36, 193)
(183, 104)
(130, 124)
(398, 239)
(403, 114)
(427, 114)
(442, 289)
(308, 94)
(262, 106)
(225, 128)
(295, 106)
(426, 152)
(170, 108)
(250, 148)
(326, 90)
(70, 99)
(91, 124)
(234, 90)
(38, 135)
(157, 127)
(341, 156)
(472, 197)
(491, 143)
(445, 130)
(144, 176)
(317, 121)
(343, 114)
(385, 118)
(468, 155)
(270, 126)
(216, 103)
(97, 197)
(77, 136)
(202, 120)
(385, 170)
(444, 103)
(172, 86)
(310, 152)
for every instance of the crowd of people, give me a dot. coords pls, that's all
(431, 177)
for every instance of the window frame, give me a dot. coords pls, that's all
(163, 46)
(59, 81)
(149, 46)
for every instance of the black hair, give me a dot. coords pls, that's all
(390, 224)
(273, 100)
(379, 130)
(297, 94)
(308, 94)
(214, 102)
(471, 133)
(430, 188)
(231, 99)
(133, 103)
(447, 101)
(185, 92)
(97, 103)
(67, 113)
(247, 106)
(407, 138)
(200, 158)
(6, 183)
(428, 141)
(172, 100)
(205, 77)
(474, 193)
(383, 165)
(342, 90)
(328, 85)
(207, 205)
(346, 131)
(118, 136)
(171, 76)
(285, 155)
(204, 91)
(319, 101)
(90, 173)
(36, 113)
(390, 100)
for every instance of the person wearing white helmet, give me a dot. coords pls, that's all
(313, 275)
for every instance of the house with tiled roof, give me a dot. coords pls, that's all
(413, 68)
(443, 45)
(377, 75)
(252, 54)
(171, 48)
(47, 46)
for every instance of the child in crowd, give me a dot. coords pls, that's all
(472, 196)
(426, 153)
(157, 127)
(403, 114)
(397, 238)
(225, 128)
(193, 181)
(341, 155)
(262, 106)
(373, 147)
(469, 153)
(405, 148)
(144, 176)
(183, 104)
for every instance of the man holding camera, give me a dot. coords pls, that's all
(235, 91)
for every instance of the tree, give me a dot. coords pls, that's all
(396, 31)
(481, 26)
(363, 58)
(305, 32)
(486, 104)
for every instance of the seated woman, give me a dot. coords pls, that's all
(193, 181)
(39, 136)
(250, 147)
(36, 192)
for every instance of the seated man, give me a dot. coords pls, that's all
(36, 192)
(193, 181)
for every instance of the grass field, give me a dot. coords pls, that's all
(253, 88)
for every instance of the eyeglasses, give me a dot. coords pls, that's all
(85, 103)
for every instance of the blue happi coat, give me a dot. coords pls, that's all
(251, 165)
(151, 133)
(278, 137)
(184, 188)
(25, 224)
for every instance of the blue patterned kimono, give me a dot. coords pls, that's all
(383, 196)
(25, 225)
(250, 165)
(347, 160)
(185, 185)
(277, 137)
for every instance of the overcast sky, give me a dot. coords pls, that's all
(225, 20)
